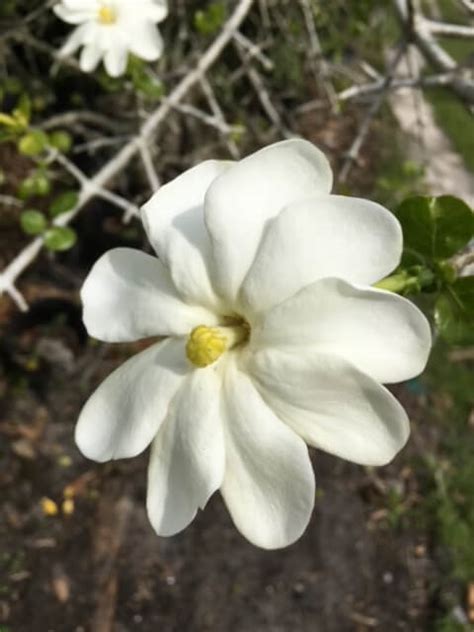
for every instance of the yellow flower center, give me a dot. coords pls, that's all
(206, 344)
(107, 14)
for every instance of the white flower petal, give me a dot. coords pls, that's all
(157, 11)
(129, 295)
(332, 405)
(74, 41)
(187, 459)
(173, 219)
(123, 415)
(145, 41)
(90, 57)
(382, 334)
(81, 5)
(115, 58)
(269, 482)
(323, 236)
(149, 10)
(240, 202)
(74, 16)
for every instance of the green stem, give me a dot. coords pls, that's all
(407, 281)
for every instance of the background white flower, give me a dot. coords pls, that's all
(109, 29)
(274, 338)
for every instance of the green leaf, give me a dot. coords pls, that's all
(454, 312)
(61, 141)
(436, 228)
(7, 120)
(33, 143)
(60, 238)
(143, 81)
(36, 184)
(33, 222)
(208, 21)
(23, 110)
(63, 203)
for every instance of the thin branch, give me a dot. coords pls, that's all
(419, 27)
(84, 116)
(254, 51)
(219, 115)
(449, 30)
(9, 200)
(320, 67)
(262, 93)
(468, 5)
(367, 89)
(207, 119)
(353, 153)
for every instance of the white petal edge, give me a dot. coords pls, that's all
(187, 459)
(173, 220)
(123, 415)
(382, 334)
(74, 16)
(157, 11)
(240, 202)
(332, 405)
(115, 58)
(323, 236)
(74, 41)
(90, 57)
(128, 295)
(145, 41)
(269, 483)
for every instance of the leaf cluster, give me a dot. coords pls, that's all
(36, 223)
(435, 230)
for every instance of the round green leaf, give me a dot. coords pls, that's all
(63, 203)
(59, 238)
(33, 143)
(436, 228)
(61, 140)
(33, 222)
(36, 184)
(208, 21)
(454, 312)
(26, 188)
(42, 184)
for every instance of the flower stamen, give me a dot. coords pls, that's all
(107, 15)
(206, 344)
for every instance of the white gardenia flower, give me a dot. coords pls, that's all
(273, 338)
(109, 29)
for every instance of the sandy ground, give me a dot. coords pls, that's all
(445, 172)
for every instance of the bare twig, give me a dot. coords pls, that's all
(151, 174)
(218, 115)
(353, 153)
(423, 36)
(468, 5)
(449, 30)
(320, 67)
(258, 85)
(9, 200)
(254, 51)
(355, 92)
(84, 116)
